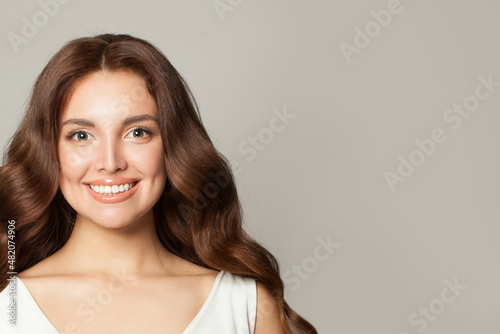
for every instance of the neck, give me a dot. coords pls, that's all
(132, 250)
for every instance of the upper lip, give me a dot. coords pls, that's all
(111, 181)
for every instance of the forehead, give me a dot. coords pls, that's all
(109, 95)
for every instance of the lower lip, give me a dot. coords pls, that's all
(115, 198)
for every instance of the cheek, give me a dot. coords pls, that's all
(149, 159)
(74, 161)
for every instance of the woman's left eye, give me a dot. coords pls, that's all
(140, 133)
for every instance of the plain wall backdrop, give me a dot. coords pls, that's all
(364, 136)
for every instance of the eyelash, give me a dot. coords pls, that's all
(72, 134)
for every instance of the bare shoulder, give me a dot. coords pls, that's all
(46, 268)
(43, 278)
(268, 315)
(51, 275)
(200, 280)
(187, 268)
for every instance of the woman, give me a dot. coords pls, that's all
(121, 214)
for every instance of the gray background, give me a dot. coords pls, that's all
(322, 176)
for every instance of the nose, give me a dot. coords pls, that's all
(110, 157)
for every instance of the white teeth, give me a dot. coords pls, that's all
(109, 190)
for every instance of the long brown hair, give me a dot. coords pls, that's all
(198, 216)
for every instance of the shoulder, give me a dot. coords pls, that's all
(41, 277)
(268, 315)
(50, 275)
(46, 267)
(194, 275)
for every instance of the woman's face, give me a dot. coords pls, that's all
(109, 141)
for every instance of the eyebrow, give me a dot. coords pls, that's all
(126, 121)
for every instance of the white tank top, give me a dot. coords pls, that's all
(230, 308)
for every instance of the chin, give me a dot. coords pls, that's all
(113, 222)
(115, 219)
(114, 225)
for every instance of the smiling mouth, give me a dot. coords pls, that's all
(110, 190)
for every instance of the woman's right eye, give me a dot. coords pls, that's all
(79, 135)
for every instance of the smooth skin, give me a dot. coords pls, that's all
(114, 275)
